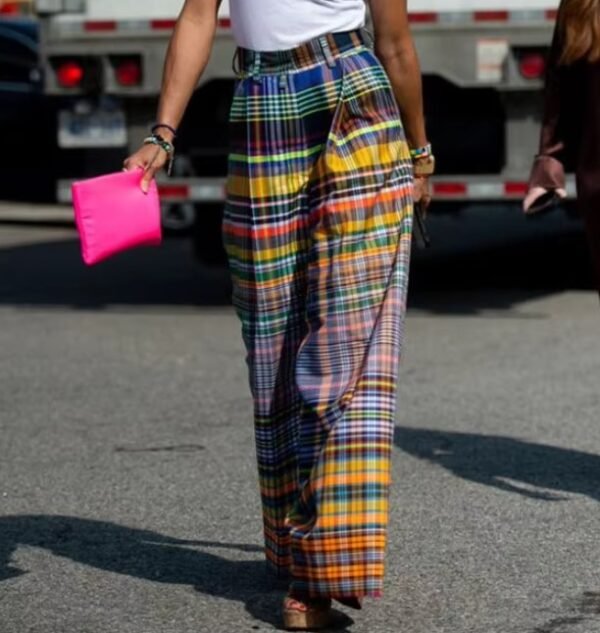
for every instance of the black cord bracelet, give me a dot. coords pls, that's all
(157, 126)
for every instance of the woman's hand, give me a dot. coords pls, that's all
(422, 192)
(537, 192)
(150, 158)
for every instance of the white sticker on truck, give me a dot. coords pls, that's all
(492, 54)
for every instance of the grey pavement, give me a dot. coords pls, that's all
(128, 493)
(23, 212)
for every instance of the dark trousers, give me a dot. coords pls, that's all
(592, 228)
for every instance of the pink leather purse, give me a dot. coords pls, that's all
(113, 214)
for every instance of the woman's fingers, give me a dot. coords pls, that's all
(532, 195)
(135, 161)
(155, 163)
(150, 159)
(421, 192)
(132, 167)
(147, 179)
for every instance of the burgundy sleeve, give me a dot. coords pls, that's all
(548, 168)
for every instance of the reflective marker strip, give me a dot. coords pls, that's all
(195, 190)
(163, 25)
(97, 26)
(174, 192)
(477, 17)
(423, 18)
(417, 18)
(209, 190)
(491, 16)
(518, 189)
(212, 190)
(450, 189)
(486, 190)
(109, 26)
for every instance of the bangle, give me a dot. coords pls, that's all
(421, 152)
(157, 126)
(424, 167)
(169, 148)
(156, 139)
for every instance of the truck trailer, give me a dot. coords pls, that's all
(483, 64)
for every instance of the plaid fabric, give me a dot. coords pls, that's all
(318, 229)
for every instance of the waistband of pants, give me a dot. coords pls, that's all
(322, 49)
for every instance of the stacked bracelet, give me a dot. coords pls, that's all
(421, 152)
(169, 148)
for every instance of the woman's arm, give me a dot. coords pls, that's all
(395, 49)
(561, 124)
(187, 57)
(548, 168)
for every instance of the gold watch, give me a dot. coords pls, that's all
(424, 166)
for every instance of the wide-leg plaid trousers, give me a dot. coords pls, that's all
(318, 231)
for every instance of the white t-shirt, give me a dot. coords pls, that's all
(274, 25)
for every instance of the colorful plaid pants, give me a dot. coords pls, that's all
(318, 230)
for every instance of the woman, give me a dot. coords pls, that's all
(317, 229)
(571, 126)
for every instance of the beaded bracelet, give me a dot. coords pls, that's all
(421, 152)
(169, 148)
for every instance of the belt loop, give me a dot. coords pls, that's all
(367, 37)
(235, 63)
(256, 65)
(329, 58)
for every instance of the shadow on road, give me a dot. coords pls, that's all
(50, 273)
(499, 277)
(584, 609)
(531, 470)
(147, 555)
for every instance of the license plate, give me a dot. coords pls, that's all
(99, 128)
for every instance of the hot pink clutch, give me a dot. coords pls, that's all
(113, 214)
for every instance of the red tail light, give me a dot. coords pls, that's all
(70, 74)
(128, 72)
(10, 8)
(532, 66)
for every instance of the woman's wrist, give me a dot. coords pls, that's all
(167, 131)
(421, 152)
(166, 145)
(423, 160)
(424, 166)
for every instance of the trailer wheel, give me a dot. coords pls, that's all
(178, 218)
(207, 239)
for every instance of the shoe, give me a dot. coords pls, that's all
(351, 601)
(307, 614)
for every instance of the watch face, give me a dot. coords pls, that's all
(424, 166)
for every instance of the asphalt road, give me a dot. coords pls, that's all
(128, 495)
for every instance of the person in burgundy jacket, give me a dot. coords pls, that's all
(570, 136)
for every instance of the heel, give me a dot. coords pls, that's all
(312, 615)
